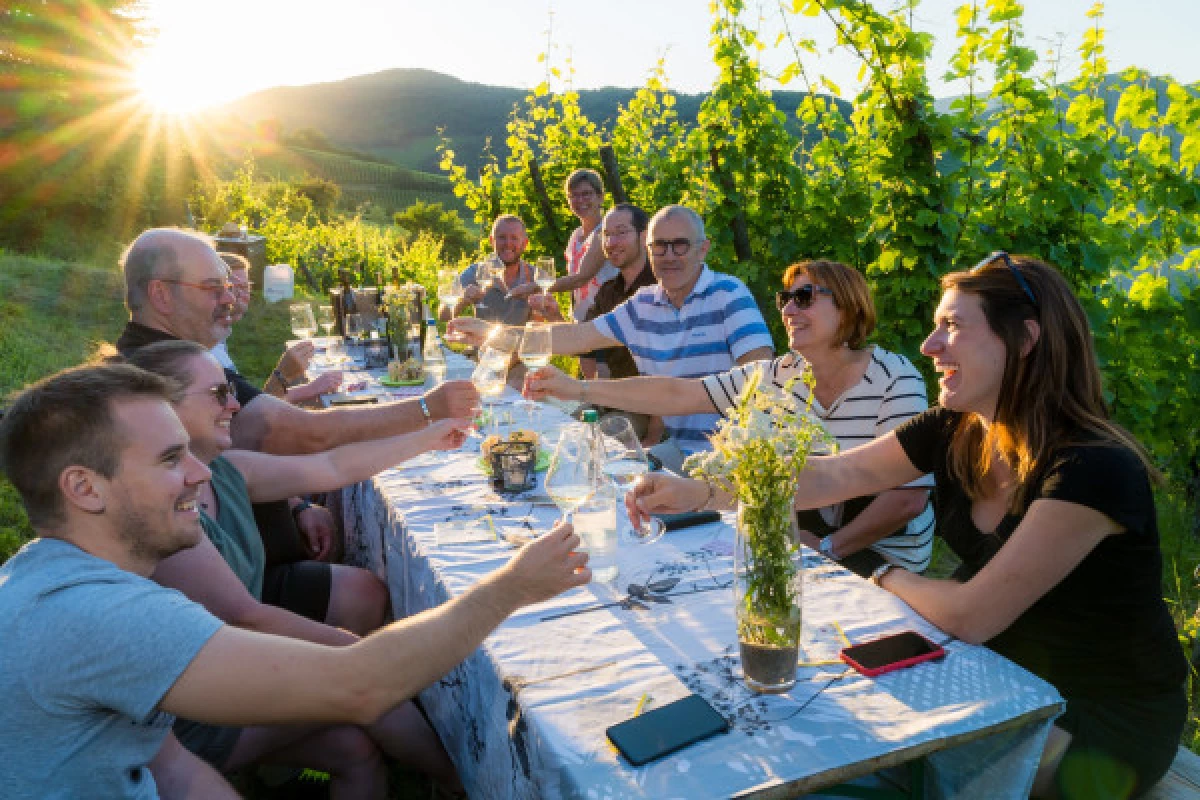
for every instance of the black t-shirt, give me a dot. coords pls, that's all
(136, 336)
(1104, 629)
(611, 294)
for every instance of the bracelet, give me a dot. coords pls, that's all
(279, 377)
(877, 575)
(425, 410)
(300, 508)
(711, 493)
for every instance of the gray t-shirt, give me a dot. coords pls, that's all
(87, 651)
(496, 305)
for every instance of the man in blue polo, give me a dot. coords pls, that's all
(693, 322)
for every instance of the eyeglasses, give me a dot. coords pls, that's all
(679, 247)
(582, 194)
(1024, 284)
(613, 233)
(803, 297)
(221, 392)
(217, 289)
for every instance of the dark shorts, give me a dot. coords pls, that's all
(212, 743)
(301, 587)
(1120, 747)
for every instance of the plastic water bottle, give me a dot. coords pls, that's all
(596, 519)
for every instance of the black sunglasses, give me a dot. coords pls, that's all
(679, 247)
(221, 392)
(1024, 284)
(802, 297)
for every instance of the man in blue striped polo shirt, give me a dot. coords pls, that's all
(694, 322)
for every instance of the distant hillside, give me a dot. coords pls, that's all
(389, 187)
(396, 114)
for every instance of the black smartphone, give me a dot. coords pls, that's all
(664, 730)
(892, 652)
(675, 522)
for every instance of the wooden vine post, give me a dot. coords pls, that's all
(612, 175)
(539, 188)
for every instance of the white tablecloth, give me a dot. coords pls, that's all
(517, 725)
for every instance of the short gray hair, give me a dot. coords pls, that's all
(153, 255)
(694, 219)
(507, 218)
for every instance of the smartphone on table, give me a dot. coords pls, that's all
(664, 730)
(892, 652)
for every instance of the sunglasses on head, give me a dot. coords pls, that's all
(1024, 284)
(802, 297)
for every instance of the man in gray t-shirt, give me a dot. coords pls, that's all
(89, 651)
(95, 658)
(489, 293)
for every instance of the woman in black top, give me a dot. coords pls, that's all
(1048, 505)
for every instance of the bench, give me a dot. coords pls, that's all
(1182, 781)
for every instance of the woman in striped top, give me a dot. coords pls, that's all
(861, 392)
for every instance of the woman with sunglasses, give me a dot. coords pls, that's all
(232, 589)
(1048, 505)
(862, 392)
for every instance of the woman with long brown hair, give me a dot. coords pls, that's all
(1048, 505)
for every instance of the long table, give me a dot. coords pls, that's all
(524, 716)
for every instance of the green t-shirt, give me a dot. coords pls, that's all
(234, 532)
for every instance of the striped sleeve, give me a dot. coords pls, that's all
(745, 328)
(724, 387)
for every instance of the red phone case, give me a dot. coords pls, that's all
(935, 652)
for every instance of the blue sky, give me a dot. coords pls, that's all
(221, 49)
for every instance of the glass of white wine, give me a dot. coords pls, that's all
(623, 462)
(543, 273)
(535, 352)
(450, 292)
(304, 325)
(490, 376)
(571, 479)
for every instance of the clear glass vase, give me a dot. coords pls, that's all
(768, 585)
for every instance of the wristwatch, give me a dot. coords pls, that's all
(300, 508)
(880, 571)
(825, 548)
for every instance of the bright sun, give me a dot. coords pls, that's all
(170, 83)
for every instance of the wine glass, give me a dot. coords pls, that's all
(490, 377)
(623, 462)
(450, 291)
(504, 339)
(534, 352)
(571, 479)
(543, 273)
(303, 323)
(354, 326)
(326, 318)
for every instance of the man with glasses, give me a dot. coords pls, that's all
(693, 322)
(623, 233)
(177, 287)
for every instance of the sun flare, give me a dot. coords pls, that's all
(174, 85)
